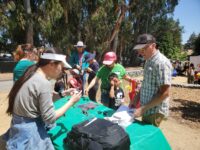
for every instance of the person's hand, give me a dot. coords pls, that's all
(86, 92)
(112, 82)
(88, 69)
(135, 80)
(131, 103)
(76, 97)
(139, 112)
(69, 91)
(138, 84)
(78, 67)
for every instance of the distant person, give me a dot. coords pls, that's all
(186, 67)
(31, 105)
(92, 70)
(109, 66)
(25, 56)
(198, 77)
(154, 92)
(174, 72)
(116, 93)
(77, 59)
(61, 86)
(190, 74)
(40, 50)
(76, 80)
(179, 68)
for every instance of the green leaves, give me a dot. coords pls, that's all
(101, 24)
(197, 46)
(168, 34)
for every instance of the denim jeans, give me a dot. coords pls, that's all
(27, 133)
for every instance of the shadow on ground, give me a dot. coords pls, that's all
(189, 110)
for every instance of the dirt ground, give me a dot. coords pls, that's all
(181, 129)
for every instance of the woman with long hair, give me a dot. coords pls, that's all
(31, 105)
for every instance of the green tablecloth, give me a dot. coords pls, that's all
(143, 137)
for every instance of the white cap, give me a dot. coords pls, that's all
(80, 44)
(58, 57)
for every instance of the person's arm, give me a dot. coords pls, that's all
(112, 90)
(89, 70)
(127, 78)
(92, 83)
(75, 98)
(161, 96)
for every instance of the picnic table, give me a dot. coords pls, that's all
(142, 136)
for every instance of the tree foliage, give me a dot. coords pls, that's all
(197, 45)
(169, 37)
(102, 24)
(191, 41)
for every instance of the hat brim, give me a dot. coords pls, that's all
(66, 65)
(139, 46)
(84, 46)
(75, 71)
(107, 62)
(56, 57)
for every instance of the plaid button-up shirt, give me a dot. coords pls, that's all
(157, 72)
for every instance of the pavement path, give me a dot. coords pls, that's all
(5, 85)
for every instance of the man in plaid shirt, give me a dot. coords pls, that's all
(154, 93)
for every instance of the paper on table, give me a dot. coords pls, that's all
(123, 116)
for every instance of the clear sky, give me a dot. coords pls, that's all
(188, 13)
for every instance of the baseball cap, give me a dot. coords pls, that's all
(109, 58)
(89, 57)
(143, 40)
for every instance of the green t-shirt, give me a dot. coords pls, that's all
(104, 72)
(20, 68)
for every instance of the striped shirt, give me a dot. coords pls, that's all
(157, 72)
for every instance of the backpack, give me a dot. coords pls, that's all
(97, 134)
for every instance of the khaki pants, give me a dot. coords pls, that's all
(154, 119)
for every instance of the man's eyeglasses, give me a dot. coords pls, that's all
(144, 48)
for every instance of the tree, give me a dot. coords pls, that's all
(29, 22)
(197, 45)
(191, 41)
(168, 36)
(103, 25)
(150, 17)
(5, 8)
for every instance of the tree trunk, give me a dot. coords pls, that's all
(113, 41)
(29, 23)
(120, 51)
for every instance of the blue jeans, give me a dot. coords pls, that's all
(84, 79)
(27, 133)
